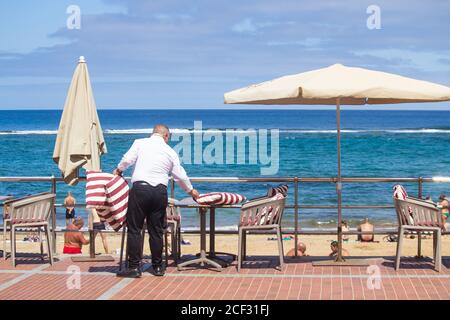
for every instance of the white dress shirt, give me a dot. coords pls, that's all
(154, 160)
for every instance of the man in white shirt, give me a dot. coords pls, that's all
(154, 160)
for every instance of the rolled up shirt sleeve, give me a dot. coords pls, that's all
(129, 158)
(179, 174)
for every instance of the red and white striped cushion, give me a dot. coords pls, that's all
(267, 213)
(231, 198)
(399, 192)
(95, 189)
(108, 194)
(117, 194)
(264, 215)
(220, 198)
(208, 198)
(282, 188)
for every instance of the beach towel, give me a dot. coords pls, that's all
(108, 194)
(220, 198)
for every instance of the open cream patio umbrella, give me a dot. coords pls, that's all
(336, 85)
(80, 141)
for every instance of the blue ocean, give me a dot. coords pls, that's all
(374, 144)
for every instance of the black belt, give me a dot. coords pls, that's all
(145, 183)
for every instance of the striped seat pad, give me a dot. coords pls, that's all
(282, 188)
(108, 194)
(220, 198)
(400, 193)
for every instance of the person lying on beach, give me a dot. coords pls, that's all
(334, 250)
(73, 238)
(69, 204)
(301, 249)
(366, 227)
(345, 228)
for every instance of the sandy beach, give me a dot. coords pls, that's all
(317, 245)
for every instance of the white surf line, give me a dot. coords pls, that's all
(25, 275)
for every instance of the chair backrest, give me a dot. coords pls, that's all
(34, 208)
(417, 212)
(262, 212)
(7, 203)
(172, 212)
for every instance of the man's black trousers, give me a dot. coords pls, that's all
(146, 203)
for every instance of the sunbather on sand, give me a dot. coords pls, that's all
(301, 249)
(345, 228)
(443, 202)
(334, 250)
(368, 228)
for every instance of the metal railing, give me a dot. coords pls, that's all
(295, 181)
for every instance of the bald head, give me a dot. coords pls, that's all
(301, 247)
(163, 131)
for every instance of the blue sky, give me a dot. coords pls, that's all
(187, 53)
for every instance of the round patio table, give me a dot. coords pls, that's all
(205, 257)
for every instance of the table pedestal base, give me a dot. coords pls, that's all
(202, 260)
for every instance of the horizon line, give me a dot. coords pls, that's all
(321, 108)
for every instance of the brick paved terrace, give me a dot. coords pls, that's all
(34, 278)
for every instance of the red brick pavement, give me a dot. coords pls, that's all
(258, 280)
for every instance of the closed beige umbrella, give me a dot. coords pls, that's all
(80, 141)
(338, 84)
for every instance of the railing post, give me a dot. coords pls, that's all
(53, 179)
(296, 215)
(420, 182)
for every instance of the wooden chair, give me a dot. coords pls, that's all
(174, 229)
(416, 215)
(260, 214)
(29, 212)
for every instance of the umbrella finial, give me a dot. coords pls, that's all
(81, 59)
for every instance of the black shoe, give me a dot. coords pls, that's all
(130, 273)
(158, 271)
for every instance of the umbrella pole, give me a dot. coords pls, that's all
(339, 181)
(339, 259)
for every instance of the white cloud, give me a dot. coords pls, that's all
(429, 61)
(248, 26)
(245, 26)
(308, 42)
(171, 17)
